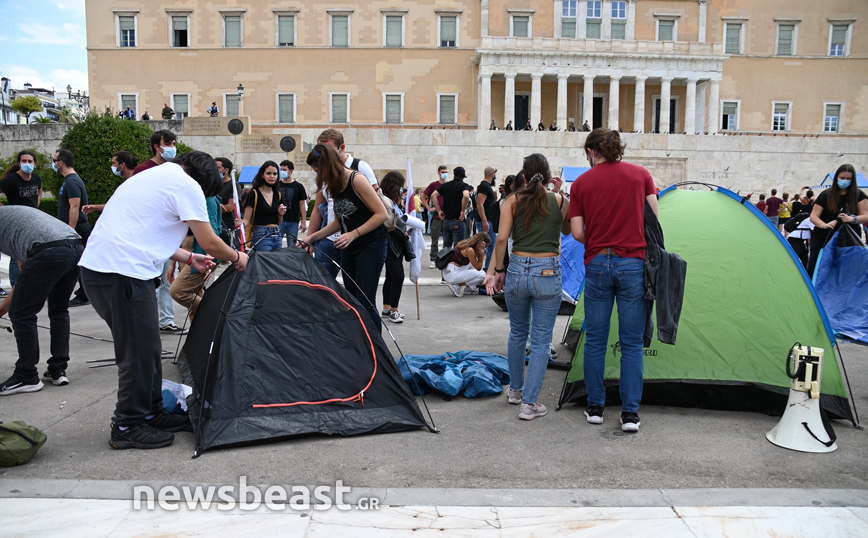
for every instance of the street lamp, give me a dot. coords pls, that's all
(240, 99)
(79, 97)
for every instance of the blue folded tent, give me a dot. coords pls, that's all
(861, 182)
(841, 282)
(247, 174)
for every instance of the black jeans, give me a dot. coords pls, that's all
(394, 282)
(129, 307)
(83, 229)
(48, 275)
(362, 276)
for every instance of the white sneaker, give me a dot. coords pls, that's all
(395, 317)
(532, 411)
(461, 292)
(456, 290)
(432, 266)
(513, 396)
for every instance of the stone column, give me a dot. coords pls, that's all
(665, 96)
(631, 20)
(582, 20)
(562, 101)
(484, 18)
(558, 15)
(485, 101)
(690, 107)
(639, 105)
(588, 113)
(614, 103)
(509, 101)
(703, 16)
(712, 103)
(535, 98)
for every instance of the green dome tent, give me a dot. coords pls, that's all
(747, 300)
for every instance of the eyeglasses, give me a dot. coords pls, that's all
(56, 160)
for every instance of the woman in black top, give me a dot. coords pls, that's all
(841, 204)
(390, 186)
(266, 210)
(359, 216)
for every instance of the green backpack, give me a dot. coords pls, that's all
(19, 442)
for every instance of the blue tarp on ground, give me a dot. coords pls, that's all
(572, 266)
(842, 284)
(471, 373)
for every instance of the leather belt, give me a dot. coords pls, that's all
(36, 249)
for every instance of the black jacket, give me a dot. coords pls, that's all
(665, 277)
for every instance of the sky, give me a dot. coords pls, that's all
(44, 43)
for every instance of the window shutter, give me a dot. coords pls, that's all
(126, 23)
(447, 109)
(839, 34)
(729, 108)
(448, 31)
(519, 26)
(340, 30)
(393, 109)
(339, 108)
(833, 110)
(619, 29)
(232, 105)
(232, 25)
(286, 31)
(785, 39)
(179, 23)
(568, 27)
(128, 101)
(182, 105)
(285, 108)
(594, 29)
(733, 38)
(393, 31)
(665, 30)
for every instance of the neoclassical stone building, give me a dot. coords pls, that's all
(677, 66)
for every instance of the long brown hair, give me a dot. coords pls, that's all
(852, 191)
(329, 167)
(607, 143)
(476, 243)
(391, 185)
(531, 200)
(16, 166)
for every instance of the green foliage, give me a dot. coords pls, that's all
(49, 205)
(182, 147)
(42, 119)
(68, 115)
(27, 105)
(50, 178)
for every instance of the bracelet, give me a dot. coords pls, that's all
(358, 232)
(855, 219)
(190, 261)
(496, 270)
(237, 257)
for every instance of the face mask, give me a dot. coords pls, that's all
(444, 176)
(115, 171)
(169, 153)
(54, 166)
(284, 174)
(27, 168)
(844, 183)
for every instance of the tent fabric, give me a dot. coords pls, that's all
(861, 182)
(280, 350)
(471, 373)
(248, 174)
(842, 284)
(571, 173)
(747, 300)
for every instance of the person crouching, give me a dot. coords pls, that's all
(465, 269)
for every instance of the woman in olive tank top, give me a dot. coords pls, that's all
(534, 217)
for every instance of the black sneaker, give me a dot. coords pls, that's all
(594, 414)
(630, 422)
(3, 293)
(57, 379)
(172, 329)
(139, 436)
(78, 301)
(167, 422)
(13, 385)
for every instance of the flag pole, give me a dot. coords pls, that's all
(418, 309)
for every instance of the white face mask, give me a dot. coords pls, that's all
(284, 174)
(444, 175)
(169, 153)
(115, 171)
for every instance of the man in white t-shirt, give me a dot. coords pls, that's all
(140, 228)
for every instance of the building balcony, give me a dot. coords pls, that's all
(547, 45)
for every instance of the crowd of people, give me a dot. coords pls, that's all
(540, 126)
(181, 211)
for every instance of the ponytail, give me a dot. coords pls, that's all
(531, 199)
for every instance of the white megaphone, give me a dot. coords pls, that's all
(803, 426)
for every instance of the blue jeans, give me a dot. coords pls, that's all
(272, 242)
(489, 250)
(13, 271)
(532, 285)
(453, 232)
(361, 274)
(611, 277)
(166, 305)
(324, 253)
(290, 231)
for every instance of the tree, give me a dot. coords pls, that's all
(42, 119)
(68, 115)
(27, 105)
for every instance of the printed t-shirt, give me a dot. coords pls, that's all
(19, 191)
(292, 194)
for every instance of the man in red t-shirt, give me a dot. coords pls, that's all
(162, 149)
(436, 222)
(773, 207)
(607, 214)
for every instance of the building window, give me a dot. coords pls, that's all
(838, 40)
(447, 108)
(667, 29)
(340, 108)
(594, 23)
(832, 118)
(286, 30)
(619, 20)
(732, 38)
(781, 117)
(520, 26)
(180, 31)
(394, 108)
(569, 15)
(448, 30)
(232, 31)
(786, 45)
(394, 31)
(231, 105)
(730, 116)
(129, 100)
(127, 31)
(286, 108)
(341, 30)
(181, 105)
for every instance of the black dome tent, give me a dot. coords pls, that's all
(281, 349)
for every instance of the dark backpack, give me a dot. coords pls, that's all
(793, 223)
(443, 258)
